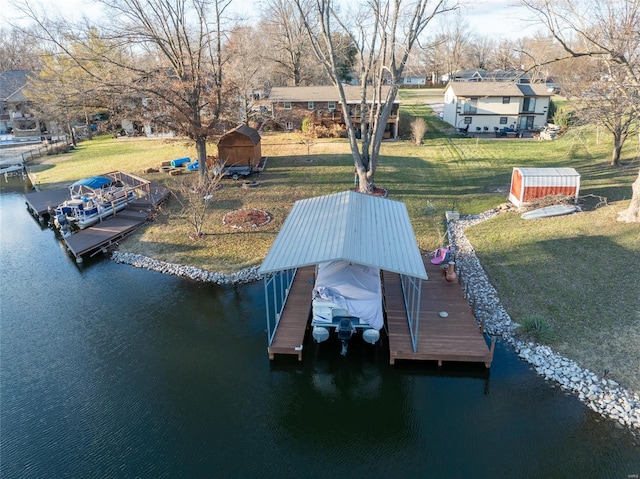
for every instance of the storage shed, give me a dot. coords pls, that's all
(527, 184)
(240, 147)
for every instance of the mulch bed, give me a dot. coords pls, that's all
(246, 218)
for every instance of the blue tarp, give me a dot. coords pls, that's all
(193, 166)
(94, 182)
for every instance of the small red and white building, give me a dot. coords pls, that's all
(528, 184)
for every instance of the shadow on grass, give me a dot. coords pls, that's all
(582, 284)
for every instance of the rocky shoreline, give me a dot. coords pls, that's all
(247, 275)
(602, 395)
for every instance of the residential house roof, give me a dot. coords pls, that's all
(319, 93)
(12, 83)
(347, 226)
(486, 89)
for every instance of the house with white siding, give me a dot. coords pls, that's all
(483, 106)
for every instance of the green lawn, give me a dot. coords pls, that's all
(579, 273)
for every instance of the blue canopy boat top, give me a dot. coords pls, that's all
(91, 185)
(94, 182)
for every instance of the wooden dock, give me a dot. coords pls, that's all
(107, 232)
(39, 202)
(289, 336)
(454, 338)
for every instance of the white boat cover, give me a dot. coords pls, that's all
(353, 287)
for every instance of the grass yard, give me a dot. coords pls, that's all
(578, 274)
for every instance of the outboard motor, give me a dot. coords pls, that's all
(345, 331)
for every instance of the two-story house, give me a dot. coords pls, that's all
(490, 106)
(15, 116)
(291, 105)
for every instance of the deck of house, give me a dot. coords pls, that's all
(454, 338)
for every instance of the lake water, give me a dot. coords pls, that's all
(111, 371)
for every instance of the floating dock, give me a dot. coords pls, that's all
(458, 337)
(100, 236)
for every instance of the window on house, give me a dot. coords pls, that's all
(310, 105)
(467, 120)
(503, 120)
(331, 105)
(471, 105)
(287, 105)
(529, 104)
(506, 99)
(289, 125)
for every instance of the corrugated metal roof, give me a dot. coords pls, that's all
(348, 226)
(555, 172)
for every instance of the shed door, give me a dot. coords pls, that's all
(516, 184)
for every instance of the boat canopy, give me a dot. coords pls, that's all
(94, 182)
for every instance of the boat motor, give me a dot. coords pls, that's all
(345, 331)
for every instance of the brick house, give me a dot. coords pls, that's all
(291, 105)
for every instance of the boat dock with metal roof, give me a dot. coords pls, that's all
(375, 232)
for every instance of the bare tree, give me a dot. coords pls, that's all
(481, 51)
(196, 199)
(384, 31)
(454, 41)
(606, 36)
(632, 214)
(289, 45)
(18, 51)
(182, 75)
(244, 72)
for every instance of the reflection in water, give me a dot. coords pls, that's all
(111, 371)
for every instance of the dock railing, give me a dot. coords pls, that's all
(138, 184)
(279, 284)
(411, 289)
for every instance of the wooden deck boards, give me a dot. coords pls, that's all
(454, 338)
(39, 202)
(289, 336)
(104, 233)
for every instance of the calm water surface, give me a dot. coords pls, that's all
(109, 371)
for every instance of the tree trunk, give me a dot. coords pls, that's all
(617, 149)
(201, 149)
(365, 180)
(632, 214)
(72, 133)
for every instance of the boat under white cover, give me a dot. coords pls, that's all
(344, 289)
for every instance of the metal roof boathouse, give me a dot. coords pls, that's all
(377, 233)
(347, 226)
